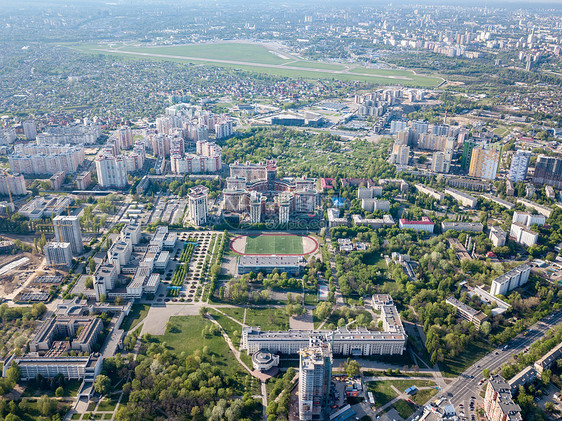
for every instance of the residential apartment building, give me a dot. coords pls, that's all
(15, 184)
(198, 199)
(442, 161)
(58, 254)
(111, 170)
(30, 129)
(510, 280)
(467, 313)
(497, 236)
(498, 402)
(484, 163)
(83, 180)
(67, 230)
(464, 199)
(548, 170)
(315, 377)
(523, 235)
(35, 159)
(462, 226)
(519, 165)
(430, 192)
(527, 219)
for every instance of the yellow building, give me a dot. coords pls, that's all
(484, 163)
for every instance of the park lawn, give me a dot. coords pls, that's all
(183, 334)
(267, 318)
(382, 392)
(136, 315)
(107, 405)
(404, 408)
(424, 395)
(274, 244)
(452, 367)
(232, 329)
(234, 312)
(378, 373)
(404, 384)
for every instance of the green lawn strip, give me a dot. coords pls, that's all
(136, 315)
(232, 329)
(234, 312)
(404, 408)
(267, 318)
(452, 367)
(382, 392)
(92, 406)
(107, 405)
(76, 416)
(374, 373)
(184, 334)
(424, 395)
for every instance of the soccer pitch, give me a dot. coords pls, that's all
(274, 244)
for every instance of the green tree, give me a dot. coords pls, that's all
(486, 373)
(102, 384)
(59, 393)
(352, 368)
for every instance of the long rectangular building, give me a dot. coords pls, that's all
(464, 199)
(357, 342)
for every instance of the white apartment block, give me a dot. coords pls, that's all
(58, 254)
(67, 229)
(371, 205)
(35, 159)
(519, 166)
(369, 192)
(400, 155)
(74, 135)
(527, 219)
(198, 198)
(30, 129)
(429, 191)
(442, 161)
(497, 236)
(334, 219)
(14, 183)
(510, 280)
(7, 136)
(464, 199)
(523, 235)
(111, 171)
(208, 159)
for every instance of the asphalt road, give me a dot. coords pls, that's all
(466, 385)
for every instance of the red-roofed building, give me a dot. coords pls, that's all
(424, 225)
(327, 183)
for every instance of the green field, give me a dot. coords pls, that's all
(261, 59)
(274, 244)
